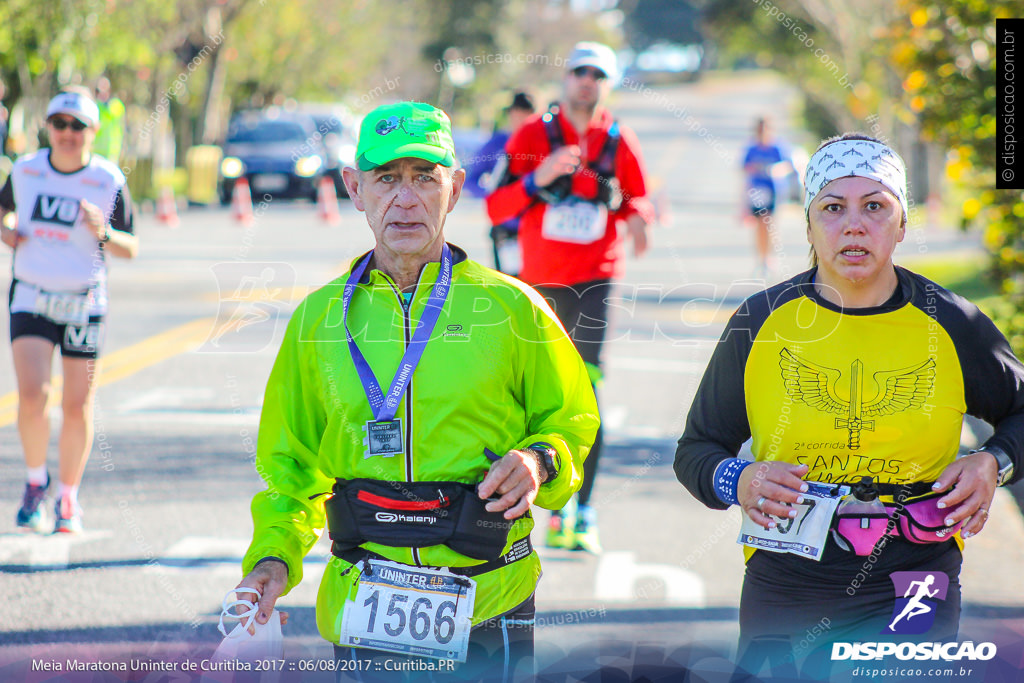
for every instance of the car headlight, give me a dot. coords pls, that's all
(347, 154)
(307, 166)
(232, 167)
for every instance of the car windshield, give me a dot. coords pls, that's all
(328, 124)
(268, 131)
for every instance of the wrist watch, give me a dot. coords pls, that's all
(1003, 462)
(548, 458)
(106, 234)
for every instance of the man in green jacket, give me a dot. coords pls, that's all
(437, 399)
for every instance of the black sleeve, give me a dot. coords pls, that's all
(7, 195)
(717, 424)
(994, 387)
(121, 217)
(993, 376)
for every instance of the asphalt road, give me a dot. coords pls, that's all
(194, 326)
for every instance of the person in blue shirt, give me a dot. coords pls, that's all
(486, 168)
(764, 162)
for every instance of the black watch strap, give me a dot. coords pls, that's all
(548, 458)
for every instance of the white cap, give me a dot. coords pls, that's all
(76, 105)
(597, 55)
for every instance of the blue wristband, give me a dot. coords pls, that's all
(727, 479)
(530, 184)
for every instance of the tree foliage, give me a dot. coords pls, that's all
(947, 55)
(918, 73)
(194, 61)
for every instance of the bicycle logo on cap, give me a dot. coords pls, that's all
(393, 123)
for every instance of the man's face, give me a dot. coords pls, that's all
(586, 87)
(406, 202)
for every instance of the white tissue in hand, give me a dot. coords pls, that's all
(267, 641)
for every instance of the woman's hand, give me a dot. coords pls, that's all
(975, 478)
(767, 487)
(12, 238)
(93, 219)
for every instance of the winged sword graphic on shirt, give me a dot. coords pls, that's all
(896, 391)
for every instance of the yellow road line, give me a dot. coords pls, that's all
(129, 360)
(285, 294)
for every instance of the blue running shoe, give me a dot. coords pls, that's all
(31, 515)
(69, 517)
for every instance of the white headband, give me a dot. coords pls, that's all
(861, 158)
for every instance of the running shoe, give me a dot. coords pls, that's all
(585, 533)
(69, 517)
(560, 527)
(31, 515)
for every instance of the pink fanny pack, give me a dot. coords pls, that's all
(920, 521)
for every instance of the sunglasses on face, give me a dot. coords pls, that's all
(73, 124)
(596, 74)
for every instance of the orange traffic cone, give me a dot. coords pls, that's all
(166, 210)
(241, 202)
(327, 202)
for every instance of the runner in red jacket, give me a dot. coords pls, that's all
(575, 180)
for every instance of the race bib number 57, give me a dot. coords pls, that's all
(411, 611)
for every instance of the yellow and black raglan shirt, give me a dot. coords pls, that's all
(877, 392)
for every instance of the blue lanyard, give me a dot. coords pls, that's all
(385, 407)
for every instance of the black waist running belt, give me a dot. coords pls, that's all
(414, 515)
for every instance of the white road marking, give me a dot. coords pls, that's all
(620, 578)
(223, 556)
(50, 550)
(247, 417)
(167, 397)
(614, 417)
(658, 365)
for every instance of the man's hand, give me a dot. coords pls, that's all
(269, 578)
(563, 161)
(516, 477)
(638, 231)
(92, 217)
(975, 478)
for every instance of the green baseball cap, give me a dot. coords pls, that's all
(405, 129)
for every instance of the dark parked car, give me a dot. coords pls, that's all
(280, 154)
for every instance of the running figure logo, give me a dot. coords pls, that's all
(914, 612)
(252, 298)
(896, 390)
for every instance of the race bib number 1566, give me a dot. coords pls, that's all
(411, 611)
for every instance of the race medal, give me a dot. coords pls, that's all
(411, 611)
(383, 438)
(804, 535)
(575, 221)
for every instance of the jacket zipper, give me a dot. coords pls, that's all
(409, 478)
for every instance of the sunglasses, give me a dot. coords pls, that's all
(596, 74)
(63, 124)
